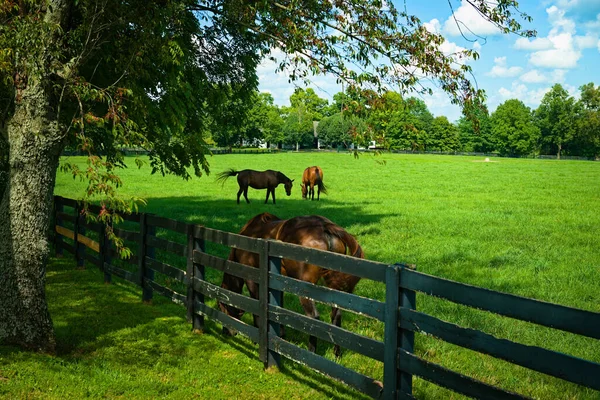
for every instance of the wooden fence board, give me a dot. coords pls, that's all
(560, 365)
(250, 331)
(167, 223)
(68, 202)
(163, 244)
(166, 269)
(127, 235)
(452, 380)
(92, 226)
(347, 301)
(331, 333)
(363, 383)
(548, 314)
(240, 301)
(68, 247)
(121, 273)
(133, 217)
(175, 297)
(94, 260)
(133, 259)
(228, 239)
(337, 262)
(61, 230)
(230, 267)
(89, 243)
(66, 216)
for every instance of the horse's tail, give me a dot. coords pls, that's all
(222, 177)
(348, 240)
(320, 184)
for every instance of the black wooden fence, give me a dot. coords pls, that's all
(398, 312)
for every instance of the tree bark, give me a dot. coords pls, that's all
(559, 149)
(34, 139)
(35, 142)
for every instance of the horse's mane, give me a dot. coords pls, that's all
(281, 176)
(260, 218)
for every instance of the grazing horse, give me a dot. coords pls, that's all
(309, 231)
(268, 179)
(313, 176)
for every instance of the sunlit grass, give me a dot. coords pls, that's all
(527, 227)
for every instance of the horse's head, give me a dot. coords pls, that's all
(304, 190)
(288, 187)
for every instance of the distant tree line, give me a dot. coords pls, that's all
(561, 125)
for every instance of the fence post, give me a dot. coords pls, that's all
(406, 338)
(58, 240)
(105, 248)
(275, 297)
(391, 373)
(147, 291)
(142, 252)
(79, 229)
(194, 271)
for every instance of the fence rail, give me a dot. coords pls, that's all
(398, 312)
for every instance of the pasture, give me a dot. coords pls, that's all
(527, 227)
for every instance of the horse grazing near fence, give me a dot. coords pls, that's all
(313, 176)
(268, 179)
(310, 231)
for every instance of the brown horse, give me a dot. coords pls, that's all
(310, 231)
(268, 179)
(313, 176)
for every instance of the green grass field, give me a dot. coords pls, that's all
(527, 227)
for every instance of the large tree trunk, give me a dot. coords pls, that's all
(35, 142)
(559, 150)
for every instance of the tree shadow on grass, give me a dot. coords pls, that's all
(228, 216)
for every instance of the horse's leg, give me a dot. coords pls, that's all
(318, 192)
(239, 194)
(336, 319)
(268, 192)
(235, 284)
(273, 194)
(311, 311)
(253, 289)
(246, 194)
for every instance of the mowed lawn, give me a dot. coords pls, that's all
(527, 227)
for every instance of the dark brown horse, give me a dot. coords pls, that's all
(310, 231)
(268, 179)
(313, 176)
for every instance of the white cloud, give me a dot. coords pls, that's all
(535, 44)
(531, 98)
(533, 76)
(467, 21)
(588, 41)
(562, 48)
(555, 58)
(500, 70)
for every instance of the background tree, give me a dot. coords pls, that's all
(443, 136)
(556, 118)
(264, 120)
(477, 138)
(587, 141)
(514, 129)
(99, 74)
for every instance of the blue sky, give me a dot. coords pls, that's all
(566, 50)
